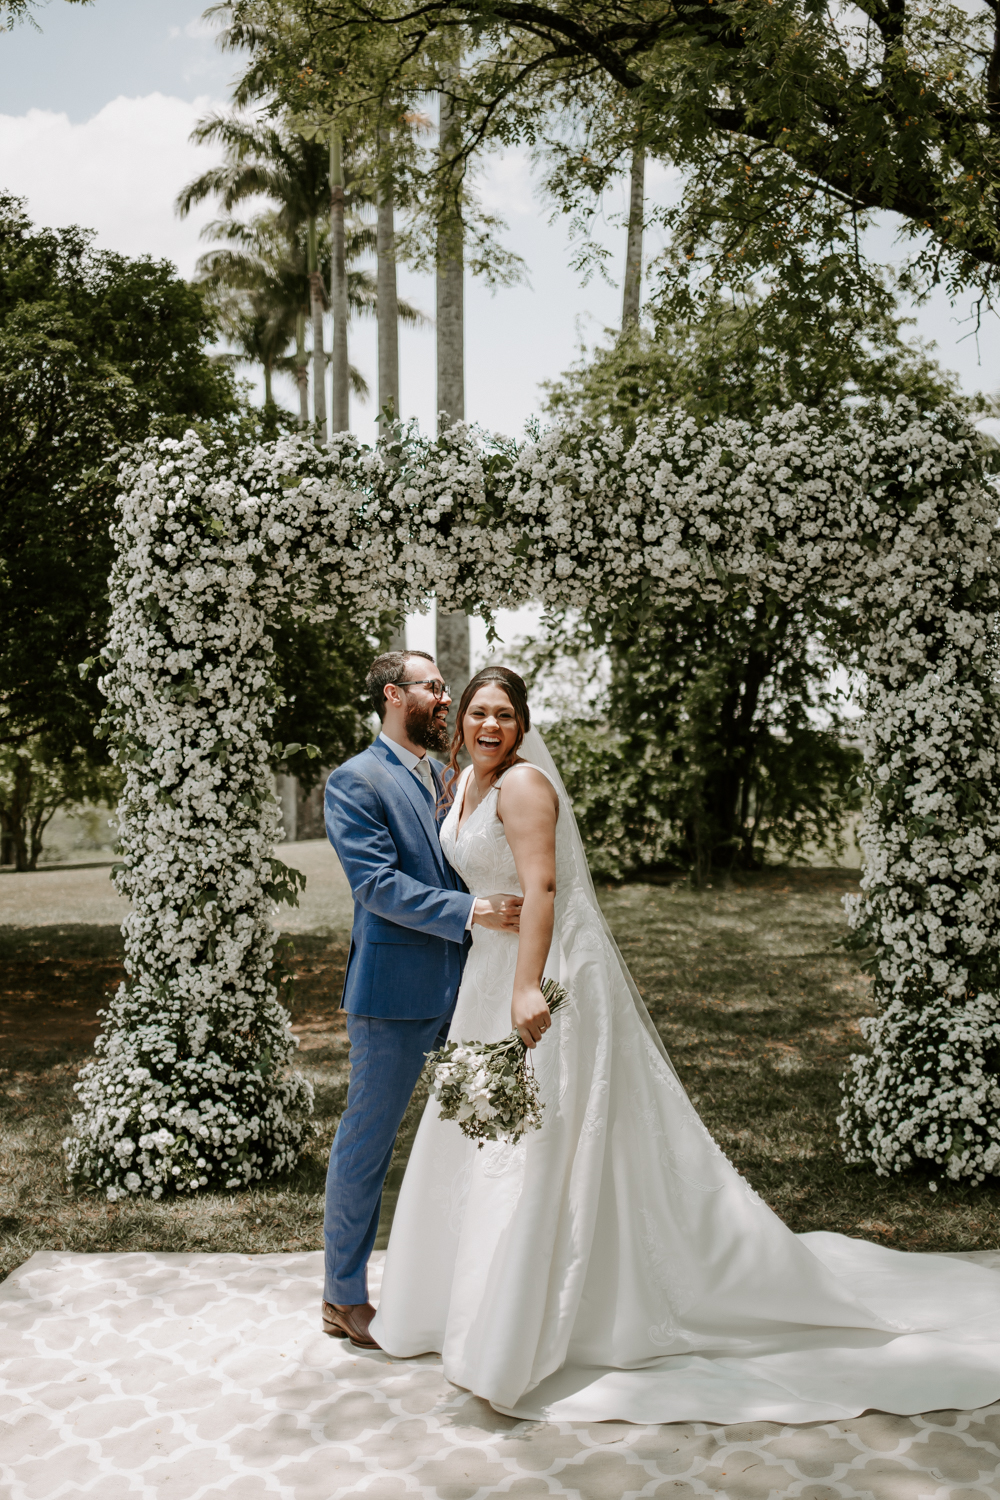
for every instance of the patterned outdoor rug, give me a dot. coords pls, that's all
(177, 1377)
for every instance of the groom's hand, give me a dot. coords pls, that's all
(501, 913)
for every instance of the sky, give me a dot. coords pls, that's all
(95, 111)
(96, 106)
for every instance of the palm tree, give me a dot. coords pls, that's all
(253, 334)
(257, 285)
(261, 160)
(453, 645)
(338, 284)
(388, 298)
(632, 293)
(258, 281)
(450, 277)
(395, 131)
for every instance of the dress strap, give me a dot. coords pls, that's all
(500, 779)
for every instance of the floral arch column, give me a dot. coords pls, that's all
(192, 1086)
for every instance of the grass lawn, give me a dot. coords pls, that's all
(755, 1001)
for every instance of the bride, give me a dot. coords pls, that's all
(614, 1264)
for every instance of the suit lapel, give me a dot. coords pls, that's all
(418, 798)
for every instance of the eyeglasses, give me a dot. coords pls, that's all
(438, 688)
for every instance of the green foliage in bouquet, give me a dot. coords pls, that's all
(489, 1088)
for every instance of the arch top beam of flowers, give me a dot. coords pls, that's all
(886, 516)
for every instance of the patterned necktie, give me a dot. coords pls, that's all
(423, 770)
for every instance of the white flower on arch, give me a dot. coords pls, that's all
(192, 1086)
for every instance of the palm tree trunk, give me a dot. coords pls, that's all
(453, 651)
(388, 301)
(387, 312)
(302, 368)
(450, 284)
(632, 295)
(268, 394)
(338, 289)
(453, 644)
(319, 354)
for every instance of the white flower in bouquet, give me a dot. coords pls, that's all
(489, 1088)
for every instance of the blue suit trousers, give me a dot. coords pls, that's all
(386, 1059)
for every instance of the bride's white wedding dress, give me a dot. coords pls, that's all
(614, 1264)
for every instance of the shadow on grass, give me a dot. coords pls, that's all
(759, 1006)
(756, 1002)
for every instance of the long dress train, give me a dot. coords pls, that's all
(614, 1264)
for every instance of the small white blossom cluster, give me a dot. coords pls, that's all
(929, 1091)
(930, 905)
(192, 1087)
(886, 520)
(465, 1087)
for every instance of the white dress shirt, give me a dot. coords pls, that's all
(419, 766)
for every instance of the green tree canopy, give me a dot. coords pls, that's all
(719, 738)
(728, 362)
(34, 784)
(793, 121)
(96, 351)
(321, 671)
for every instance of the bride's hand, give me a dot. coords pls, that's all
(530, 1015)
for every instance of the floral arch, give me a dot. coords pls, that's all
(192, 1087)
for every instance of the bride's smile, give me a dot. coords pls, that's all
(490, 730)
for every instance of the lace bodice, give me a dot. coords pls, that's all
(479, 851)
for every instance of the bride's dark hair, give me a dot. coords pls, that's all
(516, 691)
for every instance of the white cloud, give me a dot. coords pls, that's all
(202, 28)
(117, 173)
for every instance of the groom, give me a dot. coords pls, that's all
(412, 917)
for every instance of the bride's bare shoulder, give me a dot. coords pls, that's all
(526, 789)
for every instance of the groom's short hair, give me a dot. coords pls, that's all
(386, 669)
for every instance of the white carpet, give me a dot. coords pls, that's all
(177, 1377)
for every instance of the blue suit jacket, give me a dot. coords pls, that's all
(408, 941)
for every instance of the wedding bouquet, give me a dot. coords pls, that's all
(490, 1087)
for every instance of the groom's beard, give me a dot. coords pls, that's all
(428, 727)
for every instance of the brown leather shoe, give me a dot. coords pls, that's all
(350, 1323)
